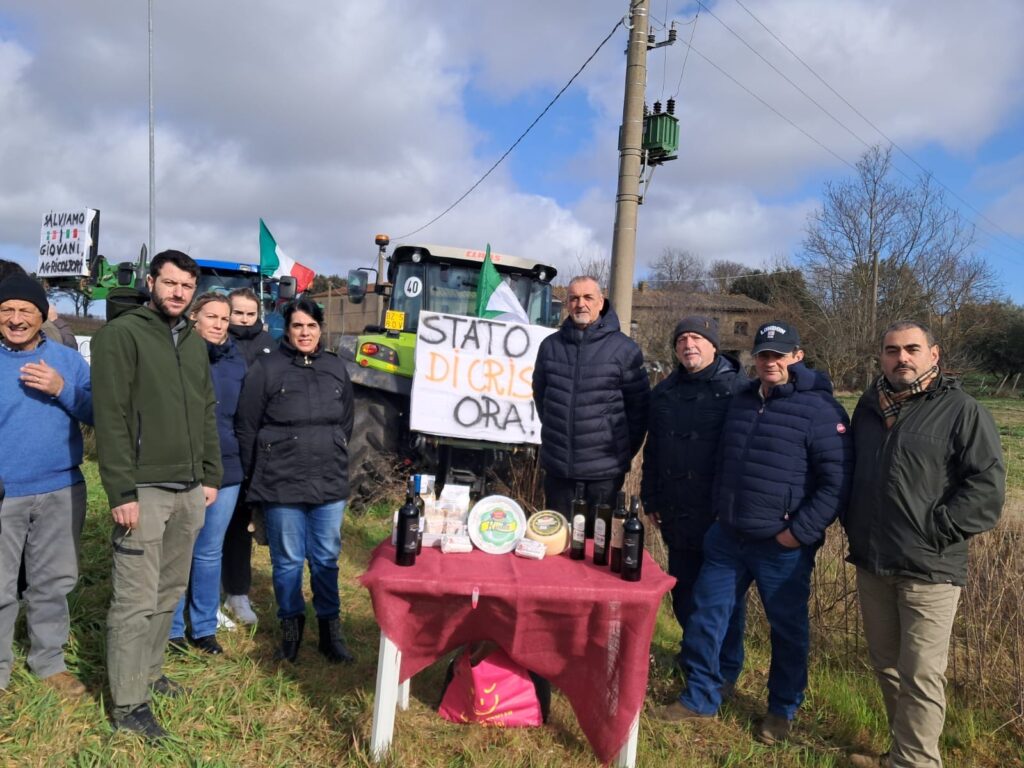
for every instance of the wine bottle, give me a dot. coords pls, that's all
(408, 529)
(615, 545)
(632, 543)
(602, 529)
(578, 543)
(422, 520)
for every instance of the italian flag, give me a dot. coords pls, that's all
(495, 299)
(275, 263)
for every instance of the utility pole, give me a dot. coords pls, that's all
(627, 198)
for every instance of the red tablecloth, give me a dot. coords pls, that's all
(577, 624)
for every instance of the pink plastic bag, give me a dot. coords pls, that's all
(496, 692)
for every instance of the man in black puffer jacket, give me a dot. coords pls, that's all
(591, 391)
(686, 417)
(784, 472)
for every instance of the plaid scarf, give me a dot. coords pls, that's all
(891, 400)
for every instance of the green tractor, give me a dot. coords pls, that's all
(380, 361)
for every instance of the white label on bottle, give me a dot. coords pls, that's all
(579, 529)
(599, 533)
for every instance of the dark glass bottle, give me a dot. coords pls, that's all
(578, 526)
(602, 530)
(632, 543)
(408, 529)
(415, 480)
(615, 543)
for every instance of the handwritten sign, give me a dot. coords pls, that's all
(68, 242)
(474, 378)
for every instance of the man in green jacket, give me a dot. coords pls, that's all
(159, 460)
(929, 475)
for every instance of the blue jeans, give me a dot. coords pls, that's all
(685, 565)
(783, 578)
(297, 533)
(203, 594)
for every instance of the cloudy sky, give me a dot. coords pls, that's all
(337, 120)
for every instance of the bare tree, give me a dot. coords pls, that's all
(677, 269)
(598, 267)
(878, 251)
(722, 273)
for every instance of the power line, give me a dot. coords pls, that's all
(686, 56)
(773, 109)
(523, 134)
(1012, 240)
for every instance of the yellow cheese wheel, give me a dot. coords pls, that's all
(551, 529)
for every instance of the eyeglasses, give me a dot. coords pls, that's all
(6, 313)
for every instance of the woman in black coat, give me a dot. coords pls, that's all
(294, 423)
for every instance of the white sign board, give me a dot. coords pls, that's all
(474, 378)
(67, 242)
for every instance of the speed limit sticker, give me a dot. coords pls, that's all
(413, 286)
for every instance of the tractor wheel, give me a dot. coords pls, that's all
(373, 449)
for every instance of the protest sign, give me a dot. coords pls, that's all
(474, 378)
(68, 243)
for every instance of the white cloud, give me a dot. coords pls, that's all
(336, 121)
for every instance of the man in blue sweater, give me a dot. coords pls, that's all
(784, 470)
(44, 394)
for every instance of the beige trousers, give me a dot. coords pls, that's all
(150, 573)
(907, 624)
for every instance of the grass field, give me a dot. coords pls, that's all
(245, 709)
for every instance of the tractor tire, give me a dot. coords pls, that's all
(373, 450)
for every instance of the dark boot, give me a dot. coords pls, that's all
(291, 638)
(332, 642)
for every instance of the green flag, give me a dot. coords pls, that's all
(495, 299)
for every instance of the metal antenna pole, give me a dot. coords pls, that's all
(152, 156)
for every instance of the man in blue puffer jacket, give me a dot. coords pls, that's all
(784, 471)
(591, 391)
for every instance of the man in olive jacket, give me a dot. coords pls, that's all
(929, 475)
(159, 461)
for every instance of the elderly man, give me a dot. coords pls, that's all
(929, 476)
(159, 460)
(686, 417)
(591, 391)
(783, 475)
(44, 394)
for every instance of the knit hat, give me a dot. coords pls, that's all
(24, 288)
(776, 336)
(702, 326)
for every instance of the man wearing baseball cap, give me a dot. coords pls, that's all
(44, 394)
(685, 423)
(783, 473)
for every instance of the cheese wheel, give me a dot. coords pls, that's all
(551, 529)
(496, 524)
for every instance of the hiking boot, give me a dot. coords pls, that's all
(164, 686)
(291, 638)
(141, 721)
(864, 760)
(66, 684)
(240, 607)
(177, 645)
(223, 622)
(772, 729)
(332, 642)
(208, 644)
(677, 712)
